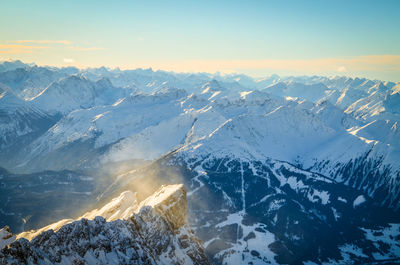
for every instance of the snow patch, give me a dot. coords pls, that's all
(358, 201)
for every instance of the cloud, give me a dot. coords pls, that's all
(341, 69)
(65, 42)
(140, 38)
(68, 60)
(19, 48)
(86, 48)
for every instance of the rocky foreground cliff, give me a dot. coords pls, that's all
(124, 231)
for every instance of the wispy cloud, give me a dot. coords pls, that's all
(68, 60)
(140, 38)
(19, 48)
(64, 42)
(83, 49)
(29, 46)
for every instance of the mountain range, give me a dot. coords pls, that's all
(291, 170)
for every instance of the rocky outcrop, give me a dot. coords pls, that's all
(156, 233)
(170, 203)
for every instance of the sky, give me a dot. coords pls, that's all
(259, 38)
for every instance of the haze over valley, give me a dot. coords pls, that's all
(199, 132)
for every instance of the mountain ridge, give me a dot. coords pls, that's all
(298, 170)
(155, 233)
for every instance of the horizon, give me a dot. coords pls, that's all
(217, 73)
(257, 38)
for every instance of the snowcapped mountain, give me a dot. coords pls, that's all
(12, 65)
(123, 231)
(269, 211)
(312, 92)
(27, 82)
(76, 92)
(18, 117)
(251, 126)
(20, 124)
(279, 169)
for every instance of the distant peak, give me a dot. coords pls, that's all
(380, 86)
(104, 81)
(213, 83)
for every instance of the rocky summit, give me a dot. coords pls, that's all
(155, 233)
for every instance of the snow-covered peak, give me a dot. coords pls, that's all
(12, 65)
(211, 87)
(170, 93)
(379, 86)
(396, 88)
(392, 103)
(30, 81)
(104, 82)
(77, 92)
(312, 92)
(256, 97)
(121, 207)
(9, 102)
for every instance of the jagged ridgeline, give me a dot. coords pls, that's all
(290, 170)
(122, 232)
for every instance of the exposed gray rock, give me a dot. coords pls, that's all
(156, 234)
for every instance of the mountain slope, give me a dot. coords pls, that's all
(268, 211)
(295, 169)
(157, 233)
(20, 124)
(28, 82)
(77, 92)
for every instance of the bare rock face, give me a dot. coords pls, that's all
(157, 233)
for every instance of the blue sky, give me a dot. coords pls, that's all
(330, 37)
